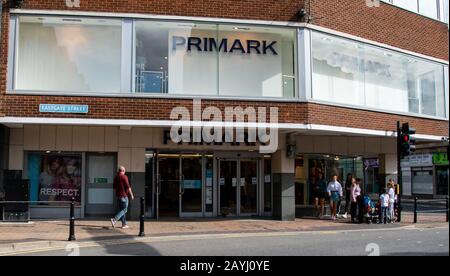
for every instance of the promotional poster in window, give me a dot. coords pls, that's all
(55, 178)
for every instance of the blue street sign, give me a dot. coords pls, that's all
(63, 108)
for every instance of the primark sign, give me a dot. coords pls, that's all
(225, 45)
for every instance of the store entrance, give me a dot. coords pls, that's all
(169, 186)
(180, 185)
(238, 192)
(205, 185)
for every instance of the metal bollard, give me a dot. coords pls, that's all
(415, 209)
(142, 218)
(72, 221)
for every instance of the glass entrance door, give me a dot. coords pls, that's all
(238, 187)
(191, 185)
(168, 189)
(248, 187)
(228, 175)
(180, 185)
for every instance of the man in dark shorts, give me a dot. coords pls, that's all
(123, 191)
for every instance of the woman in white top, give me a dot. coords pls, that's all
(391, 202)
(335, 192)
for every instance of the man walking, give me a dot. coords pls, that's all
(123, 190)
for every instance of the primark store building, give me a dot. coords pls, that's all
(87, 86)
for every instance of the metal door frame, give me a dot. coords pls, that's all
(157, 190)
(238, 185)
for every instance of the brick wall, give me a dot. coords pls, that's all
(386, 24)
(345, 117)
(159, 109)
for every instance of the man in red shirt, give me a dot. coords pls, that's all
(123, 190)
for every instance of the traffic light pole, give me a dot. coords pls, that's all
(399, 171)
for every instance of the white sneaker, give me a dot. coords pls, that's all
(113, 223)
(345, 216)
(125, 227)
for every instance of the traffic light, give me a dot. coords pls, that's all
(407, 140)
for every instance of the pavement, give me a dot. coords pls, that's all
(44, 235)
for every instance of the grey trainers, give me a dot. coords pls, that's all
(113, 223)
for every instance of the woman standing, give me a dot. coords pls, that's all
(335, 192)
(355, 195)
(320, 191)
(348, 186)
(391, 210)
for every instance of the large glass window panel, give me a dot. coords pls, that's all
(249, 186)
(410, 5)
(429, 8)
(191, 183)
(446, 7)
(69, 54)
(171, 58)
(210, 59)
(354, 73)
(337, 73)
(428, 79)
(259, 62)
(386, 80)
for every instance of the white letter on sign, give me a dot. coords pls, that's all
(73, 3)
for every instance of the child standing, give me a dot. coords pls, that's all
(384, 203)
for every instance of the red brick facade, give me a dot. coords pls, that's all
(159, 109)
(386, 24)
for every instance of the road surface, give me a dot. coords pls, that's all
(392, 242)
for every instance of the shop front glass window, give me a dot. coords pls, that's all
(209, 180)
(353, 73)
(371, 176)
(69, 54)
(429, 8)
(168, 59)
(442, 180)
(267, 184)
(322, 168)
(54, 178)
(446, 7)
(210, 59)
(410, 5)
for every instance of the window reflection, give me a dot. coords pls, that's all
(211, 59)
(68, 54)
(352, 73)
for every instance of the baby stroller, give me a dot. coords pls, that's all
(371, 210)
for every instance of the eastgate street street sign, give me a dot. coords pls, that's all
(63, 108)
(209, 44)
